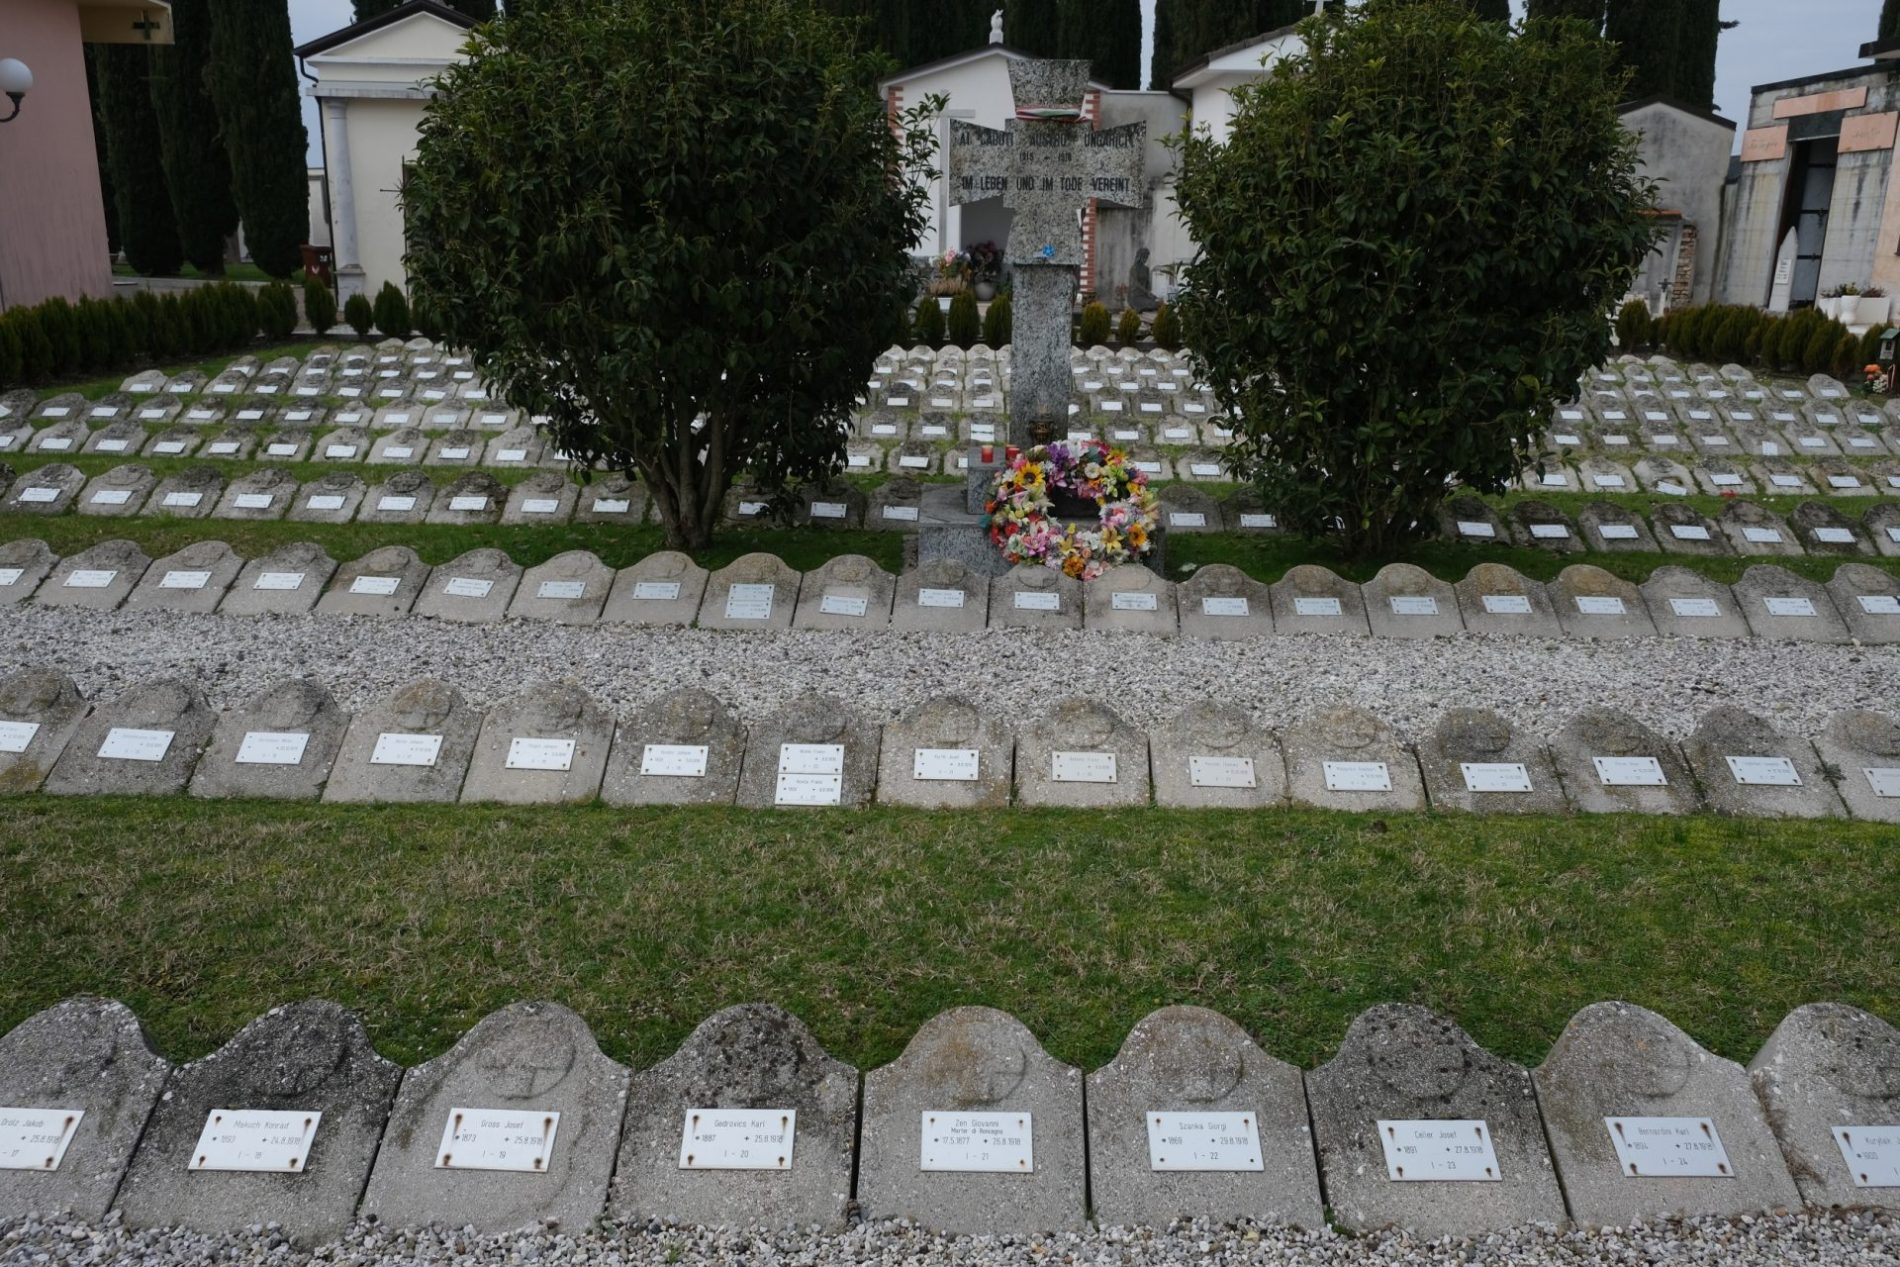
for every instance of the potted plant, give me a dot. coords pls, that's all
(986, 261)
(1846, 299)
(1874, 314)
(952, 279)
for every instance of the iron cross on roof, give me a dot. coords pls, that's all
(1047, 165)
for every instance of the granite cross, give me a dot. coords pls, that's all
(1047, 167)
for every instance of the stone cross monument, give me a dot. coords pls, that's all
(1047, 165)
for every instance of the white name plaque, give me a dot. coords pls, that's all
(1262, 521)
(1763, 771)
(1688, 532)
(1793, 607)
(1550, 532)
(10, 576)
(1036, 601)
(125, 744)
(945, 765)
(540, 754)
(1357, 776)
(1221, 772)
(36, 1139)
(1474, 528)
(940, 598)
(278, 581)
(1507, 605)
(16, 736)
(1618, 532)
(1668, 1147)
(1224, 607)
(468, 503)
(1695, 608)
(89, 579)
(904, 513)
(498, 1139)
(1600, 606)
(1123, 601)
(843, 605)
(561, 589)
(1082, 767)
(323, 501)
(738, 1139)
(256, 1140)
(395, 505)
(1495, 776)
(381, 586)
(184, 580)
(267, 747)
(612, 505)
(1203, 1141)
(1630, 771)
(749, 602)
(1762, 536)
(827, 510)
(1449, 1151)
(657, 591)
(1187, 519)
(988, 1142)
(1413, 605)
(394, 749)
(1879, 604)
(1872, 1153)
(38, 494)
(673, 761)
(1316, 607)
(810, 774)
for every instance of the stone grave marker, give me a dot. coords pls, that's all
(1593, 603)
(543, 498)
(941, 595)
(1611, 763)
(345, 444)
(277, 745)
(814, 751)
(385, 582)
(192, 580)
(403, 498)
(1826, 1078)
(1752, 529)
(1685, 604)
(305, 1071)
(1645, 1124)
(1720, 476)
(1549, 476)
(46, 490)
(286, 581)
(1474, 760)
(946, 754)
(547, 745)
(1192, 1120)
(188, 494)
(1882, 524)
(97, 579)
(1542, 526)
(237, 443)
(1471, 521)
(262, 495)
(1244, 511)
(332, 499)
(1031, 596)
(144, 742)
(1081, 754)
(293, 444)
(512, 1128)
(895, 505)
(455, 448)
(568, 589)
(80, 1077)
(1312, 599)
(1838, 477)
(974, 1130)
(683, 748)
(1864, 747)
(750, 1123)
(1410, 1095)
(118, 493)
(1187, 509)
(1495, 599)
(1682, 529)
(14, 433)
(474, 498)
(1220, 601)
(40, 709)
(830, 504)
(1781, 478)
(24, 563)
(60, 439)
(611, 498)
(411, 747)
(1779, 604)
(1130, 598)
(754, 591)
(1213, 755)
(664, 588)
(399, 448)
(1749, 769)
(1663, 476)
(1405, 601)
(518, 446)
(1868, 600)
(1345, 758)
(848, 592)
(1824, 530)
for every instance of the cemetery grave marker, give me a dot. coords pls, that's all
(144, 742)
(1081, 753)
(547, 745)
(946, 754)
(277, 745)
(1825, 1078)
(1214, 755)
(40, 709)
(684, 748)
(410, 748)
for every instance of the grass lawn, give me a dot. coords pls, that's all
(200, 916)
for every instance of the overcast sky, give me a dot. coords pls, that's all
(1777, 39)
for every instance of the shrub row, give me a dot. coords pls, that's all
(1806, 342)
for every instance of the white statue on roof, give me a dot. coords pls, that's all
(996, 27)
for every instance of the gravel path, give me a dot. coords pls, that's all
(1824, 1241)
(1666, 683)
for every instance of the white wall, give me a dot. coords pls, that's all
(382, 135)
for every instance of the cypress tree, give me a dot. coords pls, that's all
(1650, 35)
(1889, 19)
(113, 241)
(1199, 27)
(254, 82)
(1161, 68)
(138, 177)
(480, 10)
(1108, 34)
(1035, 26)
(1695, 64)
(1590, 11)
(197, 170)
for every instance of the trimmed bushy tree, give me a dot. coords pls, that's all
(277, 311)
(704, 201)
(1378, 349)
(928, 326)
(254, 83)
(197, 169)
(964, 326)
(360, 315)
(146, 226)
(1167, 328)
(1128, 328)
(392, 312)
(999, 323)
(319, 305)
(1093, 331)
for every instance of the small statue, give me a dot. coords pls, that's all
(1141, 284)
(996, 27)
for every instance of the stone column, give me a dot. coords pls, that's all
(1042, 300)
(336, 131)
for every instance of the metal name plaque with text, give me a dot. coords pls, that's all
(267, 747)
(1036, 601)
(1316, 607)
(467, 587)
(395, 749)
(36, 1139)
(749, 602)
(981, 1142)
(945, 765)
(89, 579)
(1507, 605)
(673, 760)
(1413, 605)
(1203, 1141)
(1872, 1153)
(1449, 1151)
(1082, 767)
(1495, 776)
(1221, 772)
(738, 1139)
(126, 744)
(380, 586)
(562, 589)
(1357, 776)
(657, 591)
(1763, 771)
(1630, 771)
(1225, 607)
(278, 581)
(17, 736)
(498, 1139)
(1883, 781)
(1790, 607)
(540, 754)
(1668, 1147)
(1604, 606)
(256, 1140)
(1695, 608)
(810, 774)
(940, 598)
(843, 605)
(1122, 601)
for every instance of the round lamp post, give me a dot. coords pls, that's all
(15, 81)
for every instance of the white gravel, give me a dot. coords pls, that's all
(1667, 683)
(1860, 1240)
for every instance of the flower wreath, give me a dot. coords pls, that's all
(1022, 513)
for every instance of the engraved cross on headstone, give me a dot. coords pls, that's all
(1047, 166)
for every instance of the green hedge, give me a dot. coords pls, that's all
(59, 340)
(1807, 342)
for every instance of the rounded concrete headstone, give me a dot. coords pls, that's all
(192, 580)
(385, 582)
(1213, 755)
(1828, 1074)
(946, 754)
(941, 595)
(1222, 602)
(286, 581)
(1031, 596)
(547, 745)
(1611, 763)
(277, 745)
(475, 587)
(1477, 762)
(1750, 769)
(813, 751)
(98, 579)
(664, 588)
(1081, 754)
(24, 563)
(754, 591)
(1406, 601)
(412, 747)
(1495, 599)
(40, 710)
(1345, 758)
(684, 748)
(145, 742)
(1313, 599)
(1130, 598)
(1593, 603)
(568, 589)
(1864, 748)
(1686, 604)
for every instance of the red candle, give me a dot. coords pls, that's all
(1009, 454)
(989, 453)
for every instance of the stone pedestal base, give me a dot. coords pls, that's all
(1040, 381)
(946, 530)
